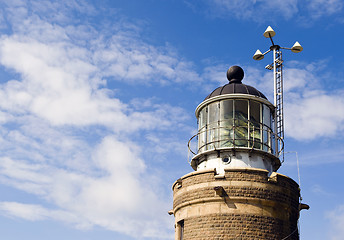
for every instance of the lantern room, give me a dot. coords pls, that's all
(236, 128)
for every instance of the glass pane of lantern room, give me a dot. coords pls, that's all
(213, 117)
(255, 120)
(226, 123)
(202, 134)
(266, 128)
(240, 122)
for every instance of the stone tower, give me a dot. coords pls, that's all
(235, 192)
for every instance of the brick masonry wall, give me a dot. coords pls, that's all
(260, 207)
(233, 226)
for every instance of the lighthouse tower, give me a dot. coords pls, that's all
(235, 192)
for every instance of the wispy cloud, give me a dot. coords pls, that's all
(319, 8)
(320, 191)
(336, 218)
(66, 137)
(65, 83)
(254, 10)
(109, 193)
(311, 109)
(33, 212)
(269, 10)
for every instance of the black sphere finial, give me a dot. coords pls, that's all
(235, 74)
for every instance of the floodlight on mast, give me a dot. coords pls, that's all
(276, 66)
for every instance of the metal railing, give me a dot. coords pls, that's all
(247, 135)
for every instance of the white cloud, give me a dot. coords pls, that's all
(311, 111)
(126, 58)
(336, 218)
(56, 85)
(315, 114)
(264, 10)
(255, 10)
(69, 139)
(33, 212)
(320, 191)
(319, 8)
(65, 83)
(66, 136)
(216, 74)
(116, 191)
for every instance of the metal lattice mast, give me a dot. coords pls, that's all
(276, 66)
(278, 93)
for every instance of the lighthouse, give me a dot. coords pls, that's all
(234, 128)
(235, 191)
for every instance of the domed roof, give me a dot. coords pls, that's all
(235, 74)
(235, 88)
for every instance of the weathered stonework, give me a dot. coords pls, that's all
(243, 204)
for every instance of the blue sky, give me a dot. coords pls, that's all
(97, 103)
